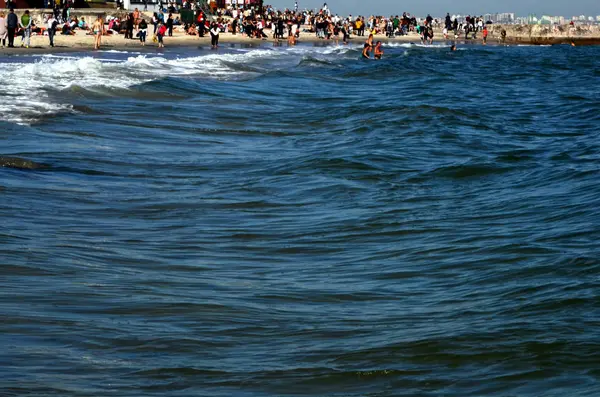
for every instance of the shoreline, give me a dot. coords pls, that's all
(84, 43)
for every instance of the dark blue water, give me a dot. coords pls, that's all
(287, 222)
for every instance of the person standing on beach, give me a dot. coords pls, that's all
(200, 20)
(214, 36)
(345, 33)
(280, 28)
(234, 26)
(260, 29)
(51, 26)
(428, 20)
(25, 24)
(170, 25)
(3, 30)
(98, 30)
(12, 23)
(129, 23)
(136, 18)
(455, 28)
(336, 33)
(485, 35)
(143, 30)
(160, 34)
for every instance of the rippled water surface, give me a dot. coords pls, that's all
(296, 221)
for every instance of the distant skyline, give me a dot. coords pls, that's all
(440, 7)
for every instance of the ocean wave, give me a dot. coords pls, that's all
(27, 85)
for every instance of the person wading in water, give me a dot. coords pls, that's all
(370, 40)
(366, 51)
(378, 52)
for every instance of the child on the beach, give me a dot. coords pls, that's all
(160, 34)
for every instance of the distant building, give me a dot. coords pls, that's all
(504, 17)
(532, 19)
(552, 20)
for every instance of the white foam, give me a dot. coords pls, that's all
(25, 93)
(416, 45)
(119, 52)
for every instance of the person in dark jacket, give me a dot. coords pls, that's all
(214, 35)
(143, 29)
(170, 25)
(129, 26)
(12, 24)
(234, 26)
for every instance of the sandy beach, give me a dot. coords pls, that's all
(82, 41)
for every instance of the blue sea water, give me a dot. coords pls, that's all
(280, 221)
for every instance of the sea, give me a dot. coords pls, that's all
(263, 221)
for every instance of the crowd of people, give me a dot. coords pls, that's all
(250, 21)
(24, 26)
(327, 26)
(13, 26)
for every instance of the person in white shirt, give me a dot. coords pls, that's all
(260, 27)
(51, 25)
(214, 35)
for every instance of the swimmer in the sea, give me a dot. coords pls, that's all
(366, 51)
(378, 52)
(370, 40)
(453, 48)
